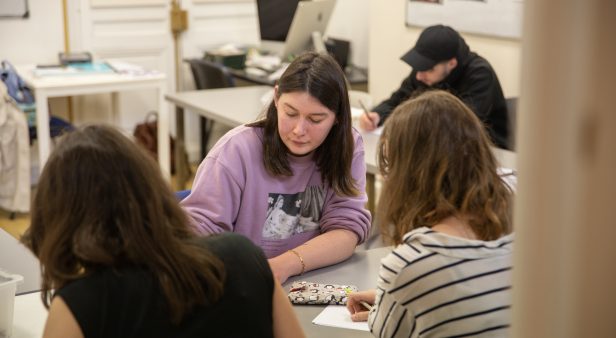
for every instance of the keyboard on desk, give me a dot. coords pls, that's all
(254, 71)
(275, 75)
(261, 75)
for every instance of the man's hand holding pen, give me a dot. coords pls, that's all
(368, 121)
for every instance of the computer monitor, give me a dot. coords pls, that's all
(308, 26)
(310, 19)
(275, 17)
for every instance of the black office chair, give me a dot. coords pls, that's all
(512, 107)
(209, 75)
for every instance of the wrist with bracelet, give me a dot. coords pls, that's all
(301, 260)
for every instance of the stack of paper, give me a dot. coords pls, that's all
(126, 68)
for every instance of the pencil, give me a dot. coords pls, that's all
(366, 111)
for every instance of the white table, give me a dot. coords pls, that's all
(71, 85)
(360, 269)
(29, 316)
(16, 258)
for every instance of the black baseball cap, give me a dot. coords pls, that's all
(435, 44)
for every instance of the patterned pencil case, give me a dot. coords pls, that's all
(303, 292)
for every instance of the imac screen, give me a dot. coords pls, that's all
(275, 17)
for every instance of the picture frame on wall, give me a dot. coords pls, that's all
(14, 9)
(501, 18)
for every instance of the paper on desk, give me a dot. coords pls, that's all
(338, 316)
(356, 114)
(127, 68)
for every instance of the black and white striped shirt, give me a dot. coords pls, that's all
(437, 285)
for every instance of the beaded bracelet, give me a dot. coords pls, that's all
(301, 260)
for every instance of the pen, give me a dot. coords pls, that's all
(363, 106)
(366, 305)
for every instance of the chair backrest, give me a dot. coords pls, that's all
(512, 108)
(210, 75)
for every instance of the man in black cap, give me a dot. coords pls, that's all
(441, 59)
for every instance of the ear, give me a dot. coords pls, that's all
(452, 63)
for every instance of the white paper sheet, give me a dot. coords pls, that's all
(338, 316)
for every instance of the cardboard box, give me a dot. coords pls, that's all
(8, 285)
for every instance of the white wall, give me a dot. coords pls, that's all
(37, 39)
(349, 21)
(390, 38)
(377, 31)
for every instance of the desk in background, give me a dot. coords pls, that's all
(230, 106)
(358, 77)
(71, 85)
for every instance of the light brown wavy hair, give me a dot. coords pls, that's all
(101, 202)
(320, 76)
(436, 159)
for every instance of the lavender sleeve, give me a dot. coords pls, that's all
(214, 201)
(349, 212)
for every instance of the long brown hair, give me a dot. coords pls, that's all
(101, 202)
(436, 158)
(320, 76)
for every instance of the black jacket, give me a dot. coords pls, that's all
(474, 82)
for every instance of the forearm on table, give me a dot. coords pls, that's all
(326, 249)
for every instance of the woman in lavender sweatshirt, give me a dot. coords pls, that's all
(294, 181)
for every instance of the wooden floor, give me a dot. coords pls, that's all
(16, 226)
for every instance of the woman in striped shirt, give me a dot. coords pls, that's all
(448, 211)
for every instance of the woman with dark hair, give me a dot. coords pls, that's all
(119, 260)
(304, 143)
(448, 211)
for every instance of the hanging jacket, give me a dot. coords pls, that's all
(14, 156)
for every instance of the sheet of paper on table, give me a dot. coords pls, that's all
(338, 316)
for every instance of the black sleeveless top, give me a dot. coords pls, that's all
(129, 302)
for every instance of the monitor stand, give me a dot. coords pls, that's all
(318, 43)
(278, 48)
